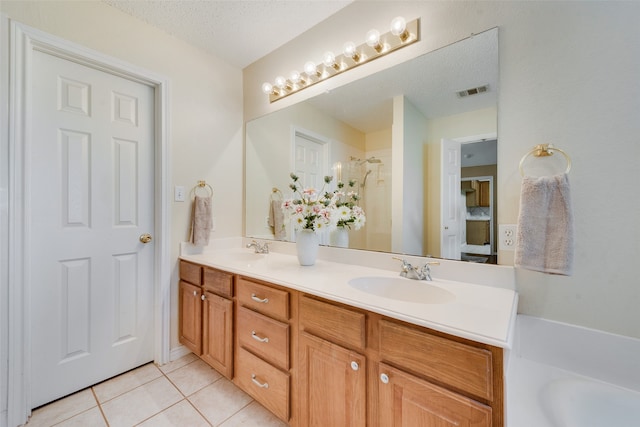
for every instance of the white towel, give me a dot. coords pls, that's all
(201, 221)
(276, 219)
(544, 240)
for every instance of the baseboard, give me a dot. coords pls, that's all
(178, 352)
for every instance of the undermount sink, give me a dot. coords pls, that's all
(248, 258)
(399, 288)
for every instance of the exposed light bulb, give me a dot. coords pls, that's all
(399, 28)
(267, 88)
(349, 49)
(329, 60)
(281, 82)
(295, 77)
(310, 69)
(373, 40)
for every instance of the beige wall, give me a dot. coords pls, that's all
(205, 105)
(568, 75)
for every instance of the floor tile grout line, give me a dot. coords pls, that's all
(187, 397)
(236, 413)
(104, 416)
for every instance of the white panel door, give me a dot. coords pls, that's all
(451, 238)
(309, 161)
(90, 197)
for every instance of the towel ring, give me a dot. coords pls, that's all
(544, 150)
(203, 184)
(276, 194)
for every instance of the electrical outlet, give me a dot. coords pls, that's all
(178, 193)
(507, 237)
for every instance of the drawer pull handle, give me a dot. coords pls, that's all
(258, 299)
(258, 338)
(384, 378)
(355, 366)
(258, 383)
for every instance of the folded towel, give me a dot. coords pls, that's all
(544, 241)
(276, 219)
(201, 222)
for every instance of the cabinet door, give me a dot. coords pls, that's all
(332, 384)
(191, 317)
(408, 401)
(217, 335)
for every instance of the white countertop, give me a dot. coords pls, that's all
(480, 313)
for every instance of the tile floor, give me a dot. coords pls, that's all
(183, 393)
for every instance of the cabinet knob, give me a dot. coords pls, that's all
(354, 365)
(202, 297)
(258, 299)
(259, 338)
(384, 378)
(195, 293)
(258, 383)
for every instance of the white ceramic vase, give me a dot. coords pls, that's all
(339, 237)
(307, 247)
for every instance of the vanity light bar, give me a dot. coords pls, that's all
(401, 34)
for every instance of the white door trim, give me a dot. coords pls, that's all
(24, 41)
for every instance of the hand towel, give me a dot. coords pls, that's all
(276, 219)
(201, 222)
(544, 240)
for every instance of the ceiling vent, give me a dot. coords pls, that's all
(473, 91)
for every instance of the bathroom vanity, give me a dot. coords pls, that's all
(316, 350)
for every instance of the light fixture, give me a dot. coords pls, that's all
(351, 51)
(373, 40)
(329, 60)
(399, 28)
(311, 69)
(401, 34)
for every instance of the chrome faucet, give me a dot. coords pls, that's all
(258, 248)
(416, 273)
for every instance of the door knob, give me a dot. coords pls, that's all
(145, 238)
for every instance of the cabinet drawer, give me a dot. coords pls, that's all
(218, 282)
(190, 273)
(448, 362)
(265, 383)
(332, 322)
(264, 336)
(263, 299)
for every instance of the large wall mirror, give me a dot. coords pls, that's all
(419, 140)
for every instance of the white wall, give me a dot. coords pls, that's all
(568, 75)
(205, 105)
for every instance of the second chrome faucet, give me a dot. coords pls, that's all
(259, 248)
(416, 273)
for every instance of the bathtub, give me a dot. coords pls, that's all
(560, 375)
(581, 402)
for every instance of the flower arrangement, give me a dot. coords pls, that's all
(348, 212)
(309, 209)
(315, 210)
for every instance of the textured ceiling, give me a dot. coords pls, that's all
(236, 31)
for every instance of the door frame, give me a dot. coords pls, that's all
(24, 40)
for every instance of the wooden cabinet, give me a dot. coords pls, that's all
(408, 401)
(217, 339)
(315, 362)
(263, 345)
(478, 193)
(190, 322)
(332, 384)
(478, 232)
(206, 316)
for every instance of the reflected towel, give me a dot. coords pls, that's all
(544, 240)
(201, 222)
(276, 219)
